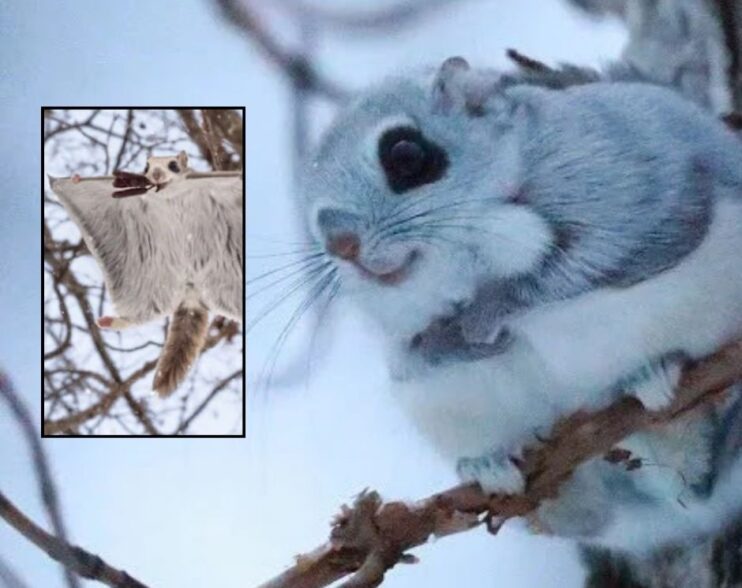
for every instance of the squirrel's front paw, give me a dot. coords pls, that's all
(655, 384)
(113, 322)
(496, 473)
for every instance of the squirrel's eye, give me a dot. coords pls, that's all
(406, 158)
(173, 167)
(146, 168)
(410, 160)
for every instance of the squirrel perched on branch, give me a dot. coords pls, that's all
(530, 248)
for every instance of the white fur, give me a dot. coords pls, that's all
(182, 230)
(159, 172)
(519, 239)
(657, 391)
(567, 355)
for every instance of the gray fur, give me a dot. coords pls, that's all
(154, 248)
(681, 43)
(621, 172)
(626, 177)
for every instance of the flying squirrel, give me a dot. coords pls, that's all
(175, 250)
(530, 247)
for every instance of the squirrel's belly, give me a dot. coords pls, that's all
(471, 408)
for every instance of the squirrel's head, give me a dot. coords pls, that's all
(163, 170)
(415, 193)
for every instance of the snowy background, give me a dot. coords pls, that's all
(233, 512)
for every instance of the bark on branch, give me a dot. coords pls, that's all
(373, 536)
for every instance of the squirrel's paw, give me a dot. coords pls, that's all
(496, 473)
(113, 322)
(655, 384)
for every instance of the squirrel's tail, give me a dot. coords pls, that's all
(185, 338)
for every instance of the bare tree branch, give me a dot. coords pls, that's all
(294, 65)
(8, 576)
(47, 488)
(74, 559)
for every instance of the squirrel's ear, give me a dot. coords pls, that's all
(448, 85)
(457, 87)
(183, 159)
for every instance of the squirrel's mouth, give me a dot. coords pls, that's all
(160, 185)
(394, 276)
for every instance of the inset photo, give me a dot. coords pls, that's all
(143, 271)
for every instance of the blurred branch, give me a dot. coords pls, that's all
(387, 19)
(729, 15)
(733, 121)
(372, 537)
(75, 559)
(9, 578)
(47, 488)
(295, 66)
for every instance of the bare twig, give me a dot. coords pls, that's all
(125, 140)
(206, 401)
(370, 538)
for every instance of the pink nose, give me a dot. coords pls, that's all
(344, 245)
(158, 174)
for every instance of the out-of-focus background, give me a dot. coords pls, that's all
(233, 512)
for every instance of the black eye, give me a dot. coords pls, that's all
(146, 168)
(409, 159)
(173, 167)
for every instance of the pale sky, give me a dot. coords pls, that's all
(231, 513)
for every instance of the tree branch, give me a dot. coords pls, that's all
(371, 537)
(47, 488)
(75, 559)
(295, 66)
(9, 578)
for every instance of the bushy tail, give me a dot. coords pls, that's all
(185, 338)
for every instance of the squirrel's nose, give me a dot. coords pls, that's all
(340, 230)
(344, 245)
(158, 174)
